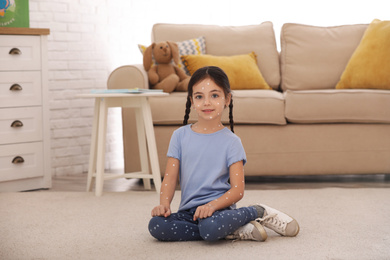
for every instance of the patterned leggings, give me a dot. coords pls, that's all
(180, 226)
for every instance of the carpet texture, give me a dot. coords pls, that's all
(335, 224)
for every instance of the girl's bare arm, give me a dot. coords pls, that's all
(168, 187)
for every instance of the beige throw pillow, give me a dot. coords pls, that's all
(314, 57)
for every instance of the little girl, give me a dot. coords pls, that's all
(209, 159)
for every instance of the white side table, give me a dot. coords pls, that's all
(146, 138)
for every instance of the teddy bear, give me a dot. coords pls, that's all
(165, 75)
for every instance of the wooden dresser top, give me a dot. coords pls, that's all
(24, 31)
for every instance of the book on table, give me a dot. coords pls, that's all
(125, 91)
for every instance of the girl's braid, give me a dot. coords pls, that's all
(188, 110)
(231, 115)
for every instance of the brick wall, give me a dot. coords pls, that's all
(79, 60)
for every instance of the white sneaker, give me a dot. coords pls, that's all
(279, 222)
(251, 231)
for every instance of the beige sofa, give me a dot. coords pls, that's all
(304, 126)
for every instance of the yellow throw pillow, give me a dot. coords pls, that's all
(369, 65)
(241, 70)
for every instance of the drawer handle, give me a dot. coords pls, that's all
(15, 51)
(17, 123)
(18, 160)
(16, 87)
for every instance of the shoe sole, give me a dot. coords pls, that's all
(262, 233)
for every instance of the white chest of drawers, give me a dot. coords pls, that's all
(24, 110)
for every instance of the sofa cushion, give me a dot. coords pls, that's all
(241, 70)
(338, 106)
(249, 107)
(369, 66)
(315, 57)
(230, 40)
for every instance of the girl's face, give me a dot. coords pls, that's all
(208, 99)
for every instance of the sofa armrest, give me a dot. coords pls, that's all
(128, 76)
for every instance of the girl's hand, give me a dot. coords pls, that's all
(204, 211)
(162, 211)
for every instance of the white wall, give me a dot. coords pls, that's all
(89, 38)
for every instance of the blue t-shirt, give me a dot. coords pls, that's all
(204, 163)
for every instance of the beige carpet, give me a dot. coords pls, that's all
(335, 224)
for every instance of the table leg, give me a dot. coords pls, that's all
(142, 146)
(92, 153)
(101, 146)
(151, 141)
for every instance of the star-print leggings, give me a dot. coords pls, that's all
(180, 226)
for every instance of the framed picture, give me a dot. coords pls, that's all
(14, 13)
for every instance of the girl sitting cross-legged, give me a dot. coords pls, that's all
(209, 159)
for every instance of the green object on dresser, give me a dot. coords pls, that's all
(14, 13)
